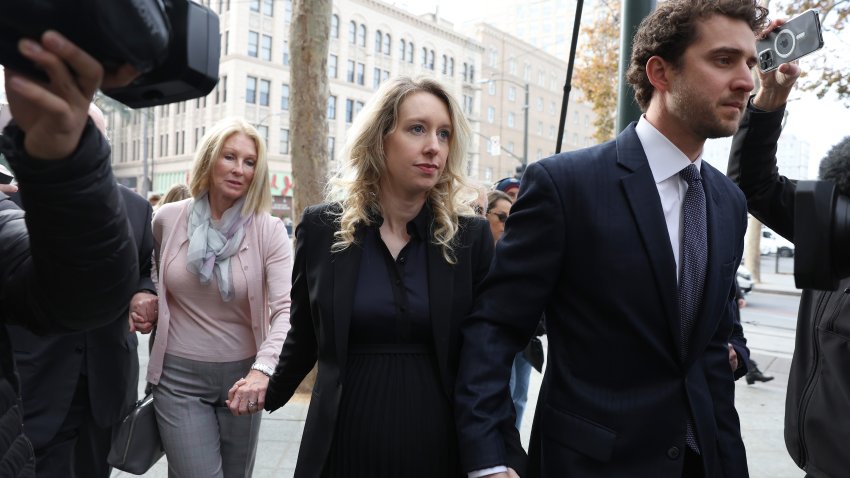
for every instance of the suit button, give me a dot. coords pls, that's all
(673, 453)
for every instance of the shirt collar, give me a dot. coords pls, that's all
(665, 159)
(416, 227)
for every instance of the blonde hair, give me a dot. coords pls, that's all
(177, 192)
(356, 185)
(259, 197)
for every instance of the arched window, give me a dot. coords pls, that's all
(361, 35)
(379, 41)
(388, 44)
(334, 26)
(402, 50)
(410, 49)
(352, 32)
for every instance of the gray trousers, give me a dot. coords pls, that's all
(202, 439)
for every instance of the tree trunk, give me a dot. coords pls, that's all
(308, 42)
(752, 248)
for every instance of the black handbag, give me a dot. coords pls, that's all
(136, 445)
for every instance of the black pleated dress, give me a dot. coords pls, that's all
(394, 417)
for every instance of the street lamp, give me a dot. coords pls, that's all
(525, 107)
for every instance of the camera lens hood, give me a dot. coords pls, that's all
(115, 32)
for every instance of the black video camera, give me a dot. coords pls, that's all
(174, 43)
(821, 235)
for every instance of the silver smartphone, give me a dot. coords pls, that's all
(794, 39)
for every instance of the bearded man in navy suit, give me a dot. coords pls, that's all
(630, 248)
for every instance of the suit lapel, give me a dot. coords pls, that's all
(440, 300)
(642, 195)
(346, 266)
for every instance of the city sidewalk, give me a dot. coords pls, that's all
(761, 408)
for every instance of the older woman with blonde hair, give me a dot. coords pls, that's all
(224, 280)
(384, 274)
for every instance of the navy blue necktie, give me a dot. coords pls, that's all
(693, 261)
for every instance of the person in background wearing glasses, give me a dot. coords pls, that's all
(498, 209)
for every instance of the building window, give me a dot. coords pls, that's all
(379, 41)
(526, 72)
(284, 141)
(265, 87)
(333, 60)
(494, 57)
(402, 50)
(539, 103)
(268, 7)
(349, 75)
(227, 42)
(349, 111)
(512, 66)
(511, 93)
(255, 5)
(223, 84)
(388, 44)
(452, 67)
(285, 52)
(444, 65)
(331, 107)
(361, 74)
(410, 49)
(358, 105)
(424, 57)
(266, 48)
(385, 76)
(287, 11)
(361, 35)
(334, 26)
(263, 130)
(510, 120)
(352, 32)
(491, 114)
(467, 104)
(491, 87)
(253, 41)
(284, 97)
(251, 91)
(331, 148)
(376, 78)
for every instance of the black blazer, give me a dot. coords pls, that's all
(587, 241)
(322, 298)
(50, 365)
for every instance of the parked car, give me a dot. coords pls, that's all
(745, 279)
(772, 243)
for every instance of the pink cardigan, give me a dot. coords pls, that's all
(266, 256)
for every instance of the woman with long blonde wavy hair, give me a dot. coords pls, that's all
(384, 274)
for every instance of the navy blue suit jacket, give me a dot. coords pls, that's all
(587, 243)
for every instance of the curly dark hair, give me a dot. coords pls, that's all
(672, 28)
(836, 163)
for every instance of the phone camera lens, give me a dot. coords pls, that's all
(766, 61)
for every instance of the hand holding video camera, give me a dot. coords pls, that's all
(54, 114)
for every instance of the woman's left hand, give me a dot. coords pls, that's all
(248, 395)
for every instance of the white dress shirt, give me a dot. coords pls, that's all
(665, 162)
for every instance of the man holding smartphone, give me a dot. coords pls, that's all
(817, 408)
